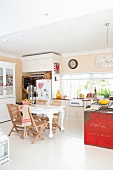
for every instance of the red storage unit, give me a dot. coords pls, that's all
(98, 128)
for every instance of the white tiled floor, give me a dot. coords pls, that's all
(66, 151)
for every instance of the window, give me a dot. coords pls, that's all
(74, 84)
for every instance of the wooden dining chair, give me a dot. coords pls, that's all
(56, 116)
(16, 118)
(41, 102)
(36, 128)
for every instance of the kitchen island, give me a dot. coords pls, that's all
(98, 127)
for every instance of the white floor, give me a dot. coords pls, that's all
(66, 151)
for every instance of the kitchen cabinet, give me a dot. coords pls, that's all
(40, 62)
(66, 109)
(7, 88)
(72, 112)
(75, 112)
(76, 108)
(3, 109)
(80, 112)
(35, 65)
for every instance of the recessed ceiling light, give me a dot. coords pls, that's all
(4, 40)
(46, 14)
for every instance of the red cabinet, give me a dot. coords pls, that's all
(98, 128)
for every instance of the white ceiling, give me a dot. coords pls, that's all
(68, 27)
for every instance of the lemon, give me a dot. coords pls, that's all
(104, 101)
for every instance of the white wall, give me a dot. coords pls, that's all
(56, 83)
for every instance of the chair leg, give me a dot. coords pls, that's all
(11, 131)
(57, 125)
(37, 137)
(22, 136)
(16, 129)
(39, 134)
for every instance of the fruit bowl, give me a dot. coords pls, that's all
(103, 101)
(25, 102)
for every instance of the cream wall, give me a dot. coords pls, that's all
(18, 75)
(86, 63)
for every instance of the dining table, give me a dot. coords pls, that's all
(49, 110)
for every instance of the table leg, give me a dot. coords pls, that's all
(50, 124)
(62, 120)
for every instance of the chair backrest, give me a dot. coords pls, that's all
(14, 112)
(56, 102)
(41, 102)
(26, 111)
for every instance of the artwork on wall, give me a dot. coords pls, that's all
(56, 68)
(104, 61)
